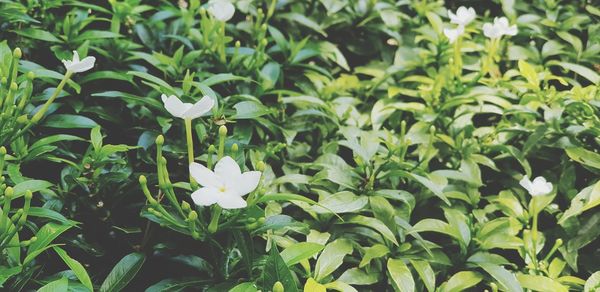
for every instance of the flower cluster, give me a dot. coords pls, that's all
(464, 16)
(226, 185)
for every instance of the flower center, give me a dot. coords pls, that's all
(222, 189)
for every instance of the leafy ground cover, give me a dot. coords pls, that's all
(321, 145)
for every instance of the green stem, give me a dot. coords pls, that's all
(55, 94)
(190, 147)
(214, 221)
(534, 235)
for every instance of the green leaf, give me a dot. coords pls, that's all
(373, 252)
(375, 224)
(67, 121)
(585, 72)
(461, 281)
(244, 287)
(38, 34)
(59, 285)
(30, 185)
(400, 274)
(76, 267)
(507, 280)
(332, 257)
(540, 283)
(45, 236)
(529, 73)
(585, 157)
(300, 251)
(123, 272)
(276, 270)
(342, 202)
(313, 286)
(587, 199)
(426, 273)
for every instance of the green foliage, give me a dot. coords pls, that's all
(390, 156)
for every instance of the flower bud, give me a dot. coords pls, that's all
(8, 193)
(261, 166)
(278, 287)
(2, 150)
(28, 195)
(212, 149)
(22, 119)
(14, 86)
(17, 53)
(193, 216)
(160, 140)
(235, 147)
(222, 130)
(185, 206)
(143, 179)
(30, 75)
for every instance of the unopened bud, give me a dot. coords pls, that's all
(17, 53)
(222, 130)
(160, 140)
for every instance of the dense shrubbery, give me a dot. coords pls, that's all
(341, 145)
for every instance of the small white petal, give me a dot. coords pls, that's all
(204, 176)
(205, 196)
(227, 169)
(526, 184)
(221, 10)
(175, 106)
(199, 108)
(75, 57)
(453, 34)
(77, 66)
(86, 64)
(246, 182)
(512, 30)
(231, 201)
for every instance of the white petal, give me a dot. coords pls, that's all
(205, 196)
(221, 10)
(246, 182)
(204, 176)
(75, 57)
(512, 30)
(175, 106)
(86, 64)
(199, 108)
(526, 184)
(231, 201)
(227, 169)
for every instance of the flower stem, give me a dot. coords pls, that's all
(190, 147)
(214, 220)
(534, 234)
(55, 94)
(457, 59)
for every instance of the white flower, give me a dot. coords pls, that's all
(221, 10)
(499, 28)
(463, 15)
(453, 33)
(186, 110)
(225, 186)
(538, 187)
(77, 66)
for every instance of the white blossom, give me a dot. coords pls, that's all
(463, 16)
(499, 28)
(221, 10)
(186, 110)
(538, 187)
(78, 66)
(226, 186)
(453, 33)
